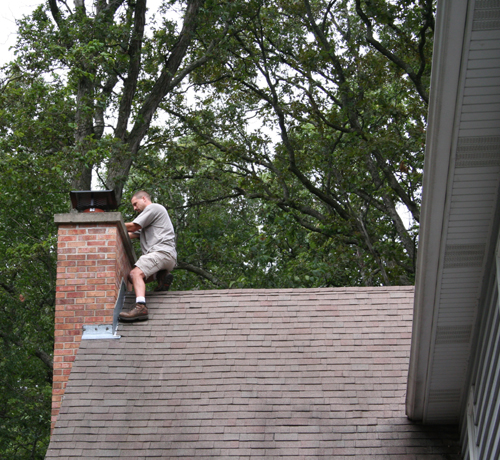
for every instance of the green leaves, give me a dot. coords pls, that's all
(312, 108)
(348, 115)
(34, 170)
(284, 137)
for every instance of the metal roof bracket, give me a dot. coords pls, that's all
(96, 332)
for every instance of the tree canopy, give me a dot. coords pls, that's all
(286, 138)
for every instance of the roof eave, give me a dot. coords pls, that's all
(441, 135)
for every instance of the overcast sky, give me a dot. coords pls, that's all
(8, 14)
(16, 9)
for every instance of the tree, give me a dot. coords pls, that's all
(223, 239)
(117, 74)
(34, 186)
(342, 87)
(285, 137)
(345, 85)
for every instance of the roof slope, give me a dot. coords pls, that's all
(246, 374)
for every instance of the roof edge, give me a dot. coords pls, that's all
(446, 65)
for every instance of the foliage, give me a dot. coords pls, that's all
(312, 112)
(34, 186)
(325, 122)
(284, 137)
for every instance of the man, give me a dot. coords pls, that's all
(155, 230)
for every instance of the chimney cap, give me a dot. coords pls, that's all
(88, 200)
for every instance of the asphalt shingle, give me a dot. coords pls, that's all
(249, 374)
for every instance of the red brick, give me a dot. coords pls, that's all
(75, 281)
(96, 281)
(76, 257)
(74, 295)
(75, 308)
(74, 269)
(95, 256)
(87, 238)
(94, 231)
(96, 243)
(65, 238)
(66, 251)
(86, 300)
(76, 244)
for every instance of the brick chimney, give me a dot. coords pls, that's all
(94, 256)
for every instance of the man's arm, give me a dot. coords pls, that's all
(132, 228)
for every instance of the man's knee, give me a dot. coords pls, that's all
(136, 273)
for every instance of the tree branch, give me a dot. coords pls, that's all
(203, 273)
(130, 85)
(396, 186)
(415, 78)
(42, 355)
(56, 12)
(119, 166)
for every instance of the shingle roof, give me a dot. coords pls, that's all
(248, 374)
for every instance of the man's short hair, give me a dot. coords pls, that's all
(141, 194)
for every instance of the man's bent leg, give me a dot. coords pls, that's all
(138, 281)
(164, 279)
(164, 276)
(140, 311)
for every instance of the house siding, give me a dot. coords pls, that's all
(481, 415)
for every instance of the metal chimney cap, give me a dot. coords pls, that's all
(93, 200)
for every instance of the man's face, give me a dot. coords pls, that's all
(139, 204)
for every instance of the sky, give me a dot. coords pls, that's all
(16, 9)
(8, 15)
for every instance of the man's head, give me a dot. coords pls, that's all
(140, 200)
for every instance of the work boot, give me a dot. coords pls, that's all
(138, 313)
(164, 281)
